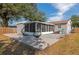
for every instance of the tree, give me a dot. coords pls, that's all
(28, 10)
(75, 20)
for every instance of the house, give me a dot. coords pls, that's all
(37, 34)
(63, 26)
(40, 35)
(35, 26)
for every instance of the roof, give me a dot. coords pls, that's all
(60, 22)
(43, 22)
(36, 22)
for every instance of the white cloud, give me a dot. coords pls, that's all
(62, 8)
(55, 18)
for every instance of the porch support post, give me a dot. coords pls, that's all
(29, 27)
(41, 27)
(47, 28)
(35, 27)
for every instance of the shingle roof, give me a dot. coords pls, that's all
(60, 22)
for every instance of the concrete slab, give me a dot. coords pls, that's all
(41, 43)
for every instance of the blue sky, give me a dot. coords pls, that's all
(58, 11)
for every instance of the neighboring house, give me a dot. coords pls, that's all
(63, 26)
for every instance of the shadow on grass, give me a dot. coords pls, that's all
(16, 48)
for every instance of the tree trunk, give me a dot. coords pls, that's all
(5, 22)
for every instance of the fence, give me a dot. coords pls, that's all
(75, 30)
(7, 30)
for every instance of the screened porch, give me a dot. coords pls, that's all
(39, 27)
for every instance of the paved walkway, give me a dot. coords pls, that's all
(51, 38)
(42, 43)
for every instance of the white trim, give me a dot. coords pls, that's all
(47, 32)
(31, 33)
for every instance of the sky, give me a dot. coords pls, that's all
(58, 11)
(55, 11)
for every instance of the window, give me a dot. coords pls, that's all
(30, 27)
(43, 28)
(46, 28)
(27, 27)
(59, 26)
(51, 28)
(38, 27)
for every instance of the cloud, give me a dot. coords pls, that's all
(62, 8)
(55, 18)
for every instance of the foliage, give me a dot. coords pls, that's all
(28, 10)
(75, 21)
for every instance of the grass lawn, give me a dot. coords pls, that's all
(67, 45)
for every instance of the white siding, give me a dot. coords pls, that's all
(69, 27)
(56, 28)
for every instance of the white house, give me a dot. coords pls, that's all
(62, 26)
(35, 26)
(39, 35)
(33, 29)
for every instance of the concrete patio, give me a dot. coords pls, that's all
(41, 43)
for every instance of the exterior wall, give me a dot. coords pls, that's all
(69, 28)
(66, 27)
(56, 28)
(62, 29)
(19, 28)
